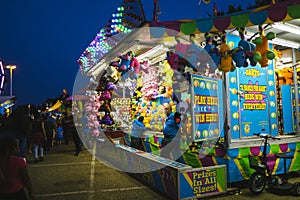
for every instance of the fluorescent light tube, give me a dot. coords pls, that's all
(150, 53)
(287, 27)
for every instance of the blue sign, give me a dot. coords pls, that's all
(252, 98)
(207, 114)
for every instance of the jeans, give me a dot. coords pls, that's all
(22, 145)
(36, 149)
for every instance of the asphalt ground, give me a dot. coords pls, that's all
(64, 176)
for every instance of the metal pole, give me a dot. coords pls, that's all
(10, 73)
(296, 90)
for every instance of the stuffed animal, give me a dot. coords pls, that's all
(166, 73)
(247, 47)
(112, 73)
(105, 107)
(105, 95)
(262, 52)
(239, 57)
(280, 76)
(124, 65)
(288, 76)
(106, 119)
(211, 49)
(226, 63)
(172, 59)
(101, 84)
(134, 63)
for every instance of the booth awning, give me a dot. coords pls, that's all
(93, 57)
(283, 11)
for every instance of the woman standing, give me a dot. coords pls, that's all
(38, 139)
(14, 177)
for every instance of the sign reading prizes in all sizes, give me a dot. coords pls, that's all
(201, 182)
(206, 108)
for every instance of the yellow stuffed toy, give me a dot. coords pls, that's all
(280, 76)
(288, 76)
(226, 63)
(262, 53)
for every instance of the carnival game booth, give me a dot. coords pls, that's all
(223, 85)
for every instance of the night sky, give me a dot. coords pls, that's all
(44, 39)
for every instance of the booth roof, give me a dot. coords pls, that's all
(279, 12)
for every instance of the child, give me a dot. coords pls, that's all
(59, 135)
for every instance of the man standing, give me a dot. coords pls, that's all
(170, 142)
(137, 130)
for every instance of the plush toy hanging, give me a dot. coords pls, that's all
(112, 73)
(91, 107)
(226, 63)
(288, 75)
(172, 59)
(101, 84)
(262, 52)
(247, 47)
(239, 57)
(134, 63)
(212, 50)
(124, 65)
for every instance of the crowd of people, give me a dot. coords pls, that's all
(38, 132)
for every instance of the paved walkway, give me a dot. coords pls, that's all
(63, 176)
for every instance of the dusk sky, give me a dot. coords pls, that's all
(45, 38)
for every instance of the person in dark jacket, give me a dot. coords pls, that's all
(49, 127)
(137, 130)
(20, 125)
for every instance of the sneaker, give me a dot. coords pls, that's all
(36, 160)
(41, 159)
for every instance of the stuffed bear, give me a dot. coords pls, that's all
(262, 52)
(226, 63)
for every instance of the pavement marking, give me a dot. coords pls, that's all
(92, 175)
(123, 189)
(62, 193)
(91, 191)
(58, 164)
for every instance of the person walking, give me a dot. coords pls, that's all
(49, 128)
(67, 125)
(138, 128)
(19, 124)
(14, 176)
(171, 140)
(38, 139)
